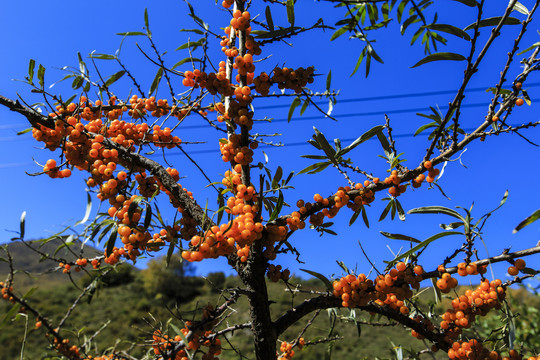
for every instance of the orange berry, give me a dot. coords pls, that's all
(520, 102)
(513, 271)
(520, 264)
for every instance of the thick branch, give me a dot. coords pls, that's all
(35, 118)
(190, 205)
(324, 302)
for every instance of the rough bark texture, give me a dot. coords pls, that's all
(253, 276)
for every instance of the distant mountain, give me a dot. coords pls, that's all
(32, 267)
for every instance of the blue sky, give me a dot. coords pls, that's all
(53, 34)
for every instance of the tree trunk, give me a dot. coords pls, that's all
(264, 334)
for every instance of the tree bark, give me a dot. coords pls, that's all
(253, 276)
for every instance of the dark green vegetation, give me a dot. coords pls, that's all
(127, 300)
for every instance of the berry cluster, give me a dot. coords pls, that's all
(465, 308)
(162, 343)
(276, 273)
(287, 351)
(389, 289)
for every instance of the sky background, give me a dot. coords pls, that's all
(52, 34)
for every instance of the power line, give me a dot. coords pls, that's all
(395, 96)
(358, 114)
(351, 100)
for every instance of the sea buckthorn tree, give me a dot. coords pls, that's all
(108, 136)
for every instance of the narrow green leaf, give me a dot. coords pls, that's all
(314, 143)
(386, 210)
(289, 177)
(146, 25)
(10, 314)
(371, 52)
(417, 34)
(82, 64)
(269, 20)
(88, 210)
(339, 32)
(436, 290)
(328, 80)
(102, 56)
(450, 29)
(147, 216)
(385, 9)
(365, 218)
(25, 131)
(277, 209)
(411, 20)
(321, 277)
(277, 177)
(400, 211)
(41, 75)
(424, 127)
(328, 231)
(170, 252)
(133, 206)
(276, 33)
(195, 17)
(304, 107)
(423, 244)
(314, 157)
(343, 266)
(325, 145)
(296, 102)
(156, 81)
(511, 326)
(400, 10)
(440, 56)
(519, 7)
(365, 136)
(222, 207)
(533, 46)
(183, 61)
(527, 221)
(196, 31)
(359, 61)
(191, 44)
(368, 63)
(22, 224)
(337, 145)
(315, 168)
(112, 240)
(176, 330)
(385, 144)
(290, 12)
(399, 237)
(77, 82)
(114, 77)
(29, 293)
(355, 216)
(131, 33)
(436, 210)
(526, 97)
(503, 201)
(493, 21)
(31, 67)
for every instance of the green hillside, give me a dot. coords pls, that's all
(33, 269)
(130, 304)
